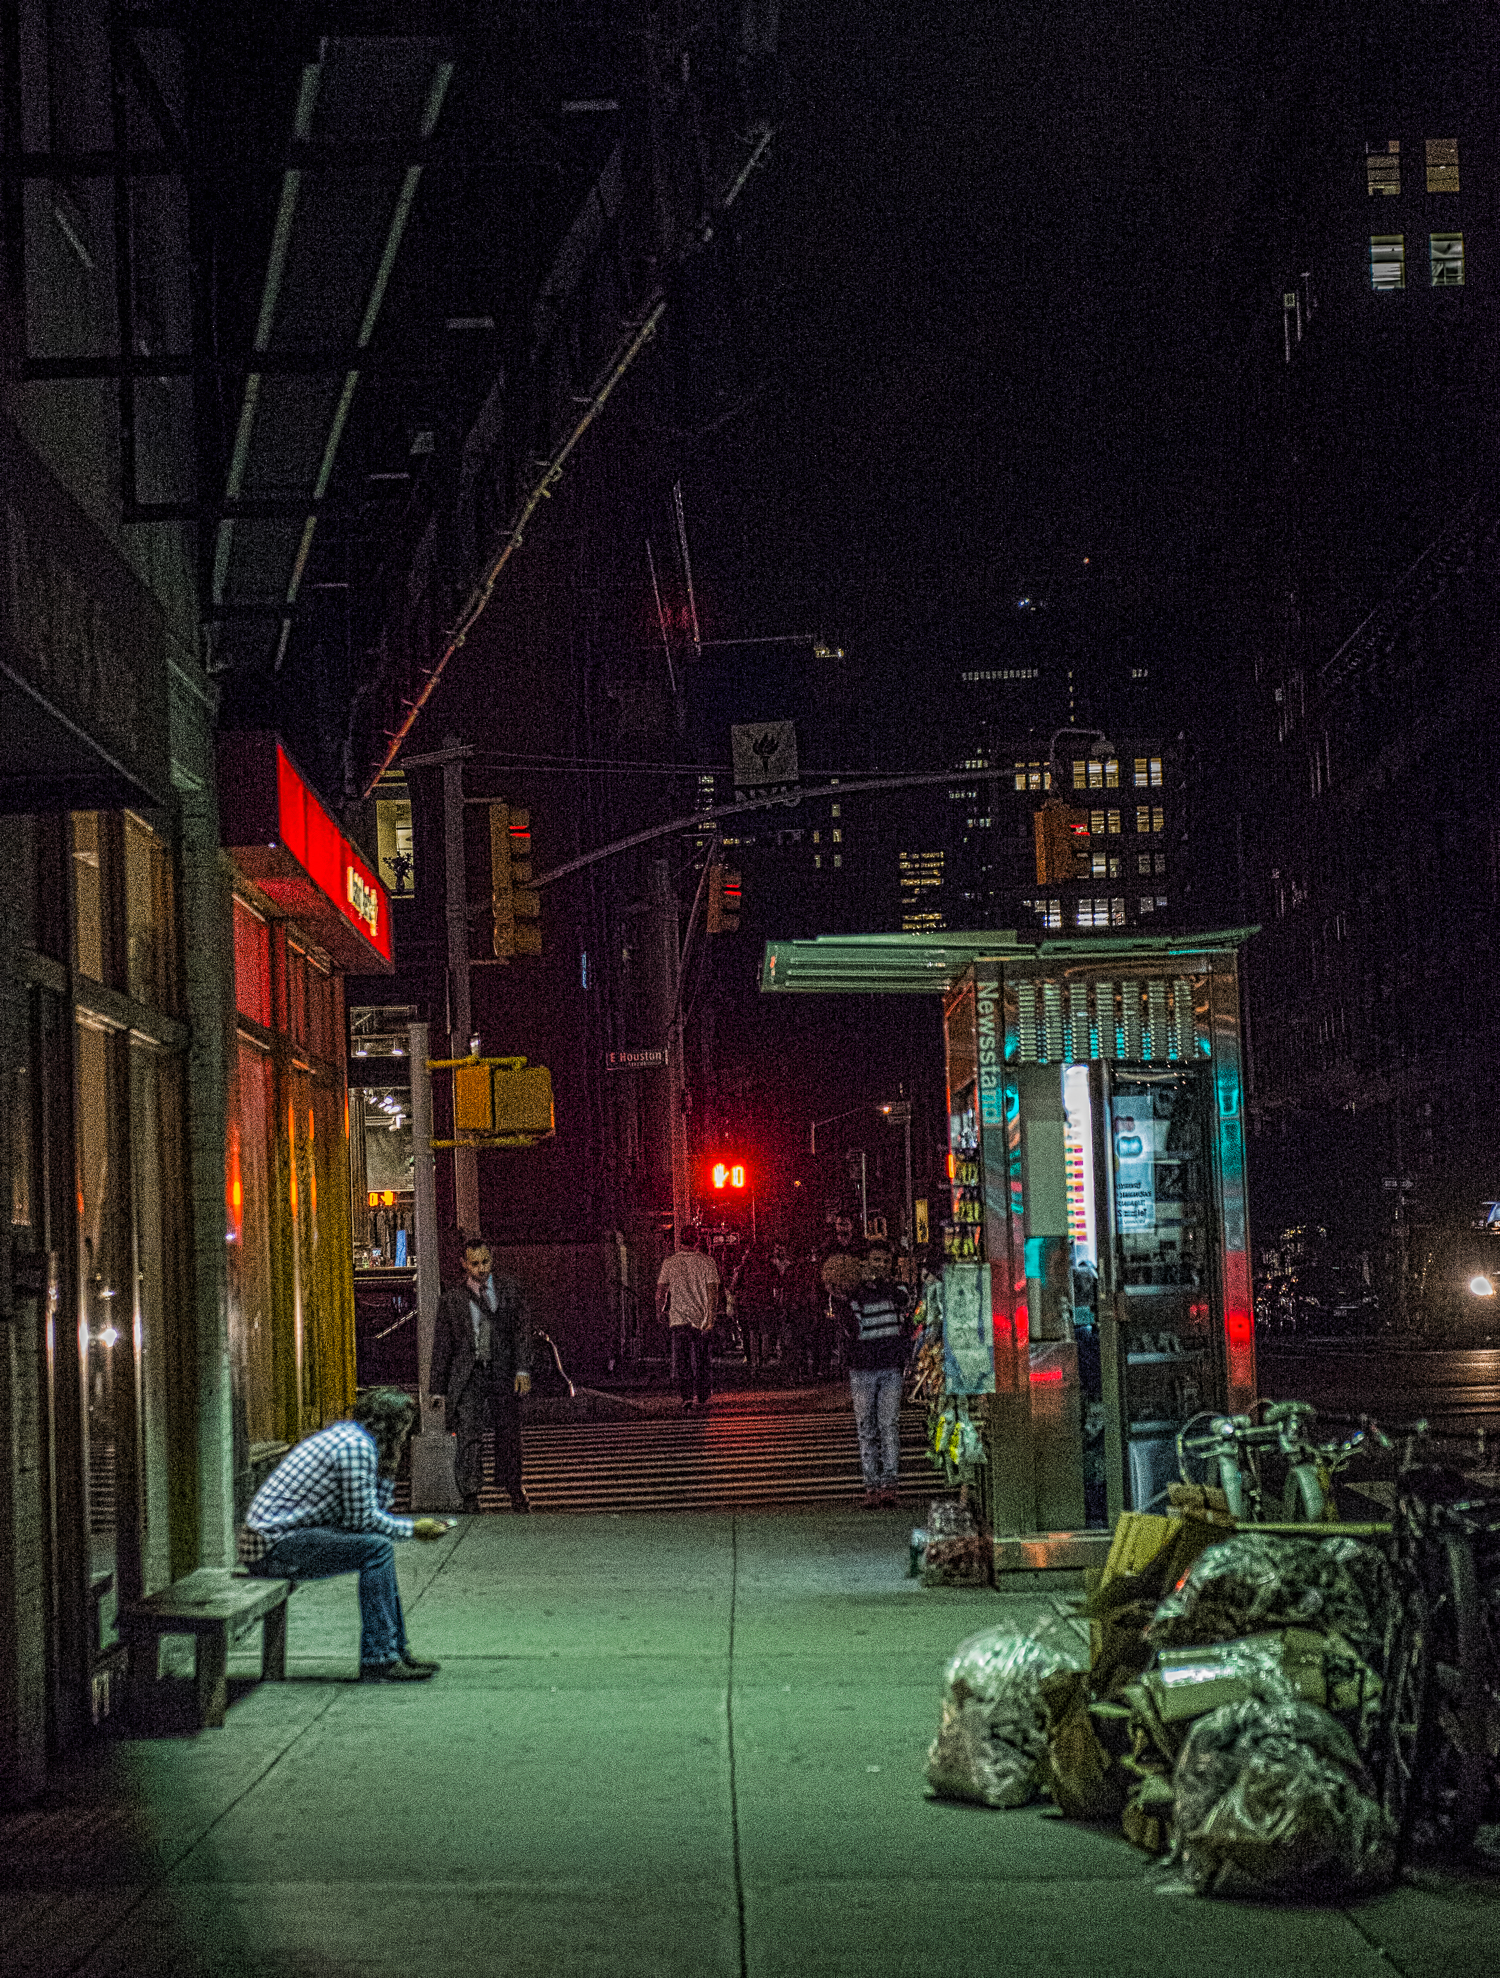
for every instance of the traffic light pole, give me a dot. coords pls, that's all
(460, 1008)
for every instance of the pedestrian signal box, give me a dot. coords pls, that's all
(498, 1102)
(727, 1175)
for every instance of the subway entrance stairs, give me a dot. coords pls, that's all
(779, 1447)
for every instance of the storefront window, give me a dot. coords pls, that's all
(248, 1231)
(395, 857)
(382, 1167)
(252, 965)
(87, 892)
(150, 917)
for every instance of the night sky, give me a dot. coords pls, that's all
(980, 318)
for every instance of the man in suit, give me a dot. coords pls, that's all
(481, 1365)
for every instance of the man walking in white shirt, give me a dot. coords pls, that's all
(687, 1297)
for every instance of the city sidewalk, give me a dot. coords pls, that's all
(658, 1745)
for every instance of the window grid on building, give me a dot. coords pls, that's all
(1383, 166)
(1387, 262)
(1442, 164)
(1447, 258)
(1160, 1020)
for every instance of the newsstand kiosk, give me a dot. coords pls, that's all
(1096, 1281)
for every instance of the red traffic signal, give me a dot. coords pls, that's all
(728, 1174)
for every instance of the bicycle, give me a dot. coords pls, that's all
(1234, 1445)
(1442, 1658)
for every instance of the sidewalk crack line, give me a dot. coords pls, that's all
(734, 1798)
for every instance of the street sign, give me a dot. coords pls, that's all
(635, 1060)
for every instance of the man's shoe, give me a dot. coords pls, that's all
(471, 1504)
(422, 1665)
(520, 1502)
(396, 1672)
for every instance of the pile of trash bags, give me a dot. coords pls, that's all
(1222, 1708)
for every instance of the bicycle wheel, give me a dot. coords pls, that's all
(1435, 1774)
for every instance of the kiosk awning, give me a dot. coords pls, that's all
(930, 964)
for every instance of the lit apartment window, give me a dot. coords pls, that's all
(836, 810)
(1383, 165)
(1051, 913)
(1098, 866)
(817, 837)
(1099, 912)
(1442, 164)
(1387, 262)
(838, 858)
(1142, 772)
(1447, 251)
(1114, 824)
(1161, 861)
(1140, 673)
(1143, 862)
(1080, 775)
(1114, 868)
(817, 861)
(1096, 774)
(1147, 905)
(838, 834)
(1143, 817)
(1156, 772)
(1096, 823)
(1112, 774)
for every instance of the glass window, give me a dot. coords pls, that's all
(252, 965)
(1156, 772)
(1387, 262)
(1442, 164)
(1080, 775)
(1158, 819)
(1142, 772)
(1383, 166)
(1096, 773)
(1112, 773)
(1114, 824)
(1447, 251)
(1143, 862)
(88, 895)
(393, 845)
(1098, 866)
(150, 916)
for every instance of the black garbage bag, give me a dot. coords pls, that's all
(1257, 1581)
(1271, 1800)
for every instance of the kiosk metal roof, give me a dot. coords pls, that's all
(930, 964)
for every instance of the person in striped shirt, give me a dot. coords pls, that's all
(875, 1335)
(326, 1509)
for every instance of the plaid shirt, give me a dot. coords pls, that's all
(328, 1480)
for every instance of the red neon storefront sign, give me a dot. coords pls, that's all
(281, 836)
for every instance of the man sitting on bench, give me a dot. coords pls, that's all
(326, 1509)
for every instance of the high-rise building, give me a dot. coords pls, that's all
(1362, 574)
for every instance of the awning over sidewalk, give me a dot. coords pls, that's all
(929, 964)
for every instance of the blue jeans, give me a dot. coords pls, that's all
(877, 1416)
(318, 1552)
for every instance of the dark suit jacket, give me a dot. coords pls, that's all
(453, 1338)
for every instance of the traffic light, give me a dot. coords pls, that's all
(1062, 843)
(728, 1174)
(515, 906)
(723, 900)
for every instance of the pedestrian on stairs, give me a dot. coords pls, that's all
(481, 1365)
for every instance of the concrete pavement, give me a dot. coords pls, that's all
(658, 1745)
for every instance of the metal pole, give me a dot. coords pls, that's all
(456, 894)
(432, 1484)
(864, 1194)
(424, 1187)
(911, 1213)
(665, 901)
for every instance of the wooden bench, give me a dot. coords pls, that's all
(211, 1605)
